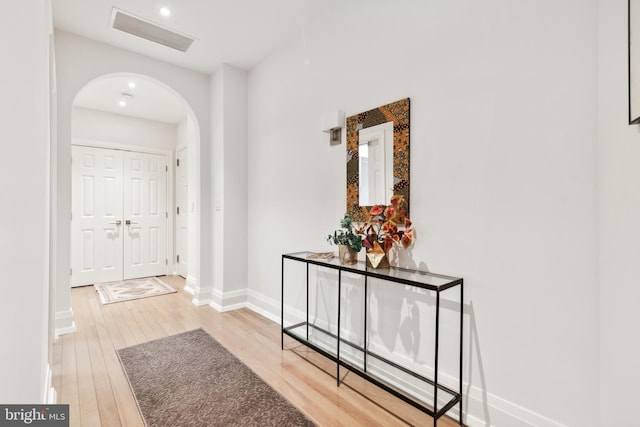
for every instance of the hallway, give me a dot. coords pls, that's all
(88, 375)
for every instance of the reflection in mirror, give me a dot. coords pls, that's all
(375, 163)
(377, 157)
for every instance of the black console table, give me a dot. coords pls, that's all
(395, 276)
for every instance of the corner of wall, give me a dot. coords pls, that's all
(64, 323)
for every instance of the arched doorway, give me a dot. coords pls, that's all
(118, 120)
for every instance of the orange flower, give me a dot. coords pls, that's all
(390, 212)
(407, 239)
(376, 210)
(397, 199)
(383, 223)
(389, 228)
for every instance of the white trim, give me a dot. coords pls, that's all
(201, 300)
(202, 296)
(221, 301)
(122, 147)
(64, 323)
(50, 394)
(263, 313)
(258, 302)
(190, 284)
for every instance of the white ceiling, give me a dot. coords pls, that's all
(149, 100)
(236, 32)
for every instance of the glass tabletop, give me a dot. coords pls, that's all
(396, 274)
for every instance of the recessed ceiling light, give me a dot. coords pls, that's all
(124, 98)
(164, 11)
(132, 85)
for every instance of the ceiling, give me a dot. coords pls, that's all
(148, 99)
(235, 32)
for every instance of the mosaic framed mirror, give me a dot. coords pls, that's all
(377, 157)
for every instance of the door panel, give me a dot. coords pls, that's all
(182, 212)
(111, 186)
(96, 244)
(145, 196)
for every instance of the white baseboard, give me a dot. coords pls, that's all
(229, 301)
(50, 394)
(191, 284)
(263, 305)
(202, 296)
(64, 323)
(481, 409)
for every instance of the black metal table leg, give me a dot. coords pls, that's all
(461, 339)
(282, 305)
(307, 302)
(366, 307)
(435, 374)
(338, 334)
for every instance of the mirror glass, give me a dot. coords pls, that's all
(377, 157)
(375, 164)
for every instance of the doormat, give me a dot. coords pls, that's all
(190, 379)
(132, 289)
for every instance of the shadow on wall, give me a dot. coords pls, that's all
(400, 324)
(401, 320)
(474, 352)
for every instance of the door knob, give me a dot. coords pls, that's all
(118, 222)
(128, 222)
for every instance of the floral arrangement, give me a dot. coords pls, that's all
(388, 225)
(346, 235)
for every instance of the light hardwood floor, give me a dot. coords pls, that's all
(88, 376)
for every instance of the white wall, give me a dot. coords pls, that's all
(619, 228)
(24, 218)
(79, 61)
(101, 126)
(229, 181)
(503, 171)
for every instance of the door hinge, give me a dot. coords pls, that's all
(166, 214)
(166, 261)
(178, 162)
(178, 210)
(178, 259)
(71, 272)
(166, 168)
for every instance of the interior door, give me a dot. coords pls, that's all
(119, 215)
(145, 215)
(376, 171)
(97, 229)
(182, 212)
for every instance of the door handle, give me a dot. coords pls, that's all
(118, 222)
(128, 222)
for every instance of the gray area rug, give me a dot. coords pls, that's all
(131, 289)
(190, 379)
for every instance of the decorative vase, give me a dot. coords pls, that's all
(347, 255)
(377, 257)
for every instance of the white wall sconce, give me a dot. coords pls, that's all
(332, 123)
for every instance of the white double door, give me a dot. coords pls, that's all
(119, 215)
